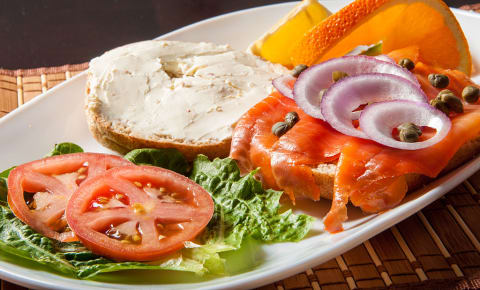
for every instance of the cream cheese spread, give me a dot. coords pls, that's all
(186, 92)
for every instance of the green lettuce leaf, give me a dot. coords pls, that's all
(168, 158)
(243, 208)
(3, 183)
(21, 240)
(65, 148)
(74, 259)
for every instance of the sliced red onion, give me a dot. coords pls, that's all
(379, 119)
(386, 58)
(345, 96)
(314, 79)
(281, 84)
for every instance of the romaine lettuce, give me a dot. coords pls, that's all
(243, 209)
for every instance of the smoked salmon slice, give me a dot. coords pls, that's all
(370, 175)
(285, 162)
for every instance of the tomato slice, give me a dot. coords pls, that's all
(38, 191)
(138, 213)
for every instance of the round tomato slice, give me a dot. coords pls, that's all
(38, 191)
(138, 213)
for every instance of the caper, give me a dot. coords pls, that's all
(291, 118)
(453, 103)
(409, 132)
(471, 94)
(321, 93)
(410, 126)
(438, 80)
(445, 92)
(280, 128)
(408, 136)
(440, 105)
(338, 75)
(297, 70)
(407, 63)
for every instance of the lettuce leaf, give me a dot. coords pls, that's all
(168, 158)
(64, 148)
(75, 260)
(21, 240)
(3, 183)
(243, 209)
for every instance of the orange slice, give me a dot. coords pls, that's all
(427, 24)
(277, 43)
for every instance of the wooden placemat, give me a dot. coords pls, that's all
(436, 248)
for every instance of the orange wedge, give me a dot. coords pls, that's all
(277, 43)
(428, 25)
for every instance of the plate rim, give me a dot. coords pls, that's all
(258, 279)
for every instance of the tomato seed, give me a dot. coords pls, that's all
(161, 237)
(81, 177)
(31, 204)
(137, 184)
(160, 226)
(162, 189)
(82, 170)
(114, 233)
(119, 196)
(102, 199)
(138, 208)
(136, 238)
(149, 184)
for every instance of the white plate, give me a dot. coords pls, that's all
(57, 116)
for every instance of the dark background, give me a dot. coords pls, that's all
(39, 33)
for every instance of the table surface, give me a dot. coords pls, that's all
(56, 32)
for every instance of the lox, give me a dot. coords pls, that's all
(313, 160)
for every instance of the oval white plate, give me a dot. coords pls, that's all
(57, 116)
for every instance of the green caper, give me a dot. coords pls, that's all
(291, 118)
(453, 103)
(409, 132)
(321, 93)
(297, 70)
(445, 92)
(407, 63)
(338, 75)
(408, 136)
(410, 126)
(471, 94)
(280, 128)
(438, 80)
(440, 105)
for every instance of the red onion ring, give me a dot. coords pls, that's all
(318, 77)
(346, 95)
(385, 57)
(378, 120)
(281, 84)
